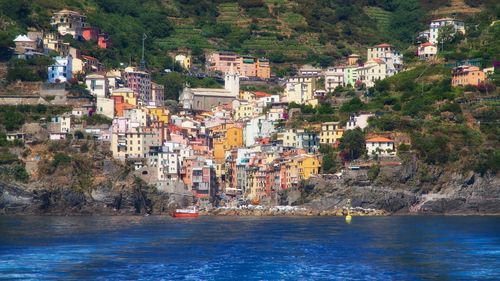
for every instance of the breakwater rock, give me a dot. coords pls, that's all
(261, 211)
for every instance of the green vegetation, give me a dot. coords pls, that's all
(352, 144)
(13, 117)
(97, 119)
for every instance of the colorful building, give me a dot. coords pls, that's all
(68, 22)
(467, 75)
(61, 70)
(331, 132)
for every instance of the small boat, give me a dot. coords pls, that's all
(185, 213)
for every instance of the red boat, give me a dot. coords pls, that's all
(185, 213)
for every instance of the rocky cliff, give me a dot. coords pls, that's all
(410, 188)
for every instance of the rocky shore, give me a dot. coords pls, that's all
(260, 211)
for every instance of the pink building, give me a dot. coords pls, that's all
(140, 83)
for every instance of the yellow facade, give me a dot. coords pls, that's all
(331, 132)
(160, 114)
(244, 111)
(232, 139)
(248, 96)
(292, 173)
(308, 166)
(128, 95)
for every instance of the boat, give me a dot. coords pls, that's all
(185, 213)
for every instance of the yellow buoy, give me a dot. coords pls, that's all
(348, 219)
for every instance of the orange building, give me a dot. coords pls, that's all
(467, 75)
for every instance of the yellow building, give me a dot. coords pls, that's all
(232, 139)
(248, 96)
(308, 165)
(184, 61)
(160, 114)
(292, 172)
(128, 95)
(331, 132)
(245, 110)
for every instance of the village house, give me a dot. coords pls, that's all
(183, 60)
(331, 132)
(358, 121)
(300, 89)
(426, 51)
(245, 66)
(97, 84)
(68, 22)
(467, 75)
(437, 24)
(61, 70)
(380, 146)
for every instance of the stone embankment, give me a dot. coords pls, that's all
(260, 211)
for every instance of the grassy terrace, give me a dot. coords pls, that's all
(381, 16)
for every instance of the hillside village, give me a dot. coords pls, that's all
(226, 144)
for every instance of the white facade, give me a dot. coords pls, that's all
(426, 51)
(437, 24)
(372, 71)
(136, 115)
(61, 71)
(334, 77)
(257, 127)
(232, 81)
(380, 146)
(65, 123)
(106, 107)
(359, 121)
(299, 89)
(97, 85)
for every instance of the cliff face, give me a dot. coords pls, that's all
(125, 200)
(410, 188)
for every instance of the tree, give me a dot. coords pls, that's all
(352, 144)
(6, 45)
(406, 20)
(446, 35)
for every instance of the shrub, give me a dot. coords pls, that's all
(373, 172)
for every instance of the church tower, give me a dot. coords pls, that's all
(232, 81)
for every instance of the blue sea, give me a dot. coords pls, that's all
(242, 248)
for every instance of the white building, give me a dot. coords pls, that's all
(380, 146)
(258, 127)
(426, 51)
(437, 24)
(97, 85)
(358, 121)
(106, 107)
(391, 57)
(374, 70)
(61, 71)
(232, 81)
(300, 89)
(334, 77)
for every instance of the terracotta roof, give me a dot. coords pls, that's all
(384, 45)
(262, 94)
(88, 58)
(426, 44)
(377, 60)
(379, 139)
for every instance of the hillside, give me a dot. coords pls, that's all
(297, 31)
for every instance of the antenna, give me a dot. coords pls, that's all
(143, 62)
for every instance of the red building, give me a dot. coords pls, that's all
(104, 41)
(90, 33)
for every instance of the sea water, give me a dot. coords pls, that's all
(244, 248)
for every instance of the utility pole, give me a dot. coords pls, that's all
(143, 62)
